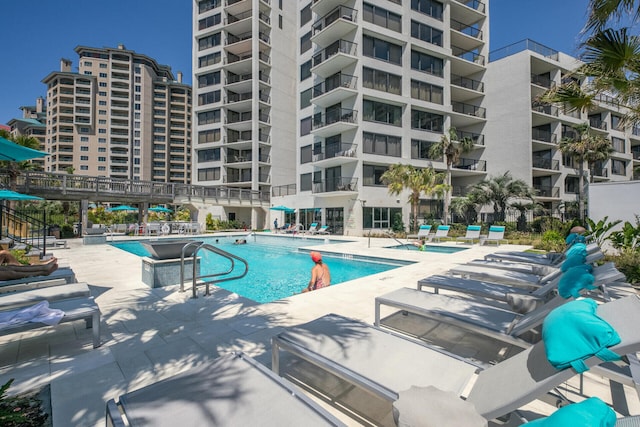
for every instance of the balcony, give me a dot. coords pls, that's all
(477, 138)
(468, 109)
(599, 172)
(471, 165)
(544, 163)
(335, 155)
(542, 81)
(547, 109)
(544, 136)
(597, 123)
(335, 185)
(334, 25)
(322, 7)
(334, 58)
(467, 83)
(334, 89)
(334, 122)
(547, 191)
(468, 55)
(473, 4)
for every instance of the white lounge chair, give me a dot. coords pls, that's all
(472, 234)
(313, 227)
(385, 364)
(441, 232)
(233, 390)
(496, 235)
(423, 232)
(323, 230)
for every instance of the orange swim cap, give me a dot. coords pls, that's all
(315, 256)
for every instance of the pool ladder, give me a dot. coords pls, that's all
(393, 236)
(231, 257)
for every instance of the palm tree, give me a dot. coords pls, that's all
(13, 168)
(585, 147)
(451, 147)
(466, 207)
(401, 177)
(602, 12)
(499, 191)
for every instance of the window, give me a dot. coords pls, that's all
(381, 49)
(84, 167)
(209, 21)
(102, 168)
(209, 155)
(305, 182)
(102, 159)
(305, 154)
(209, 97)
(84, 148)
(305, 98)
(618, 167)
(211, 135)
(427, 63)
(305, 126)
(384, 145)
(372, 175)
(380, 112)
(85, 158)
(423, 120)
(426, 92)
(305, 70)
(84, 139)
(420, 149)
(617, 144)
(209, 174)
(382, 17)
(305, 14)
(102, 150)
(379, 218)
(379, 80)
(102, 131)
(205, 5)
(305, 42)
(211, 59)
(102, 84)
(428, 7)
(103, 75)
(87, 63)
(280, 21)
(209, 79)
(209, 41)
(209, 117)
(616, 122)
(426, 33)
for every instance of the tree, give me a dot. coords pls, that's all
(451, 147)
(401, 177)
(499, 191)
(603, 12)
(588, 147)
(466, 207)
(14, 168)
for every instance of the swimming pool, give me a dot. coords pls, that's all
(277, 268)
(429, 248)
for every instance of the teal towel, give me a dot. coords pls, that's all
(592, 412)
(574, 238)
(578, 248)
(574, 280)
(573, 332)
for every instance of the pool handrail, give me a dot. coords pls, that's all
(231, 257)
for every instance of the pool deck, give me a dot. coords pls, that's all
(150, 334)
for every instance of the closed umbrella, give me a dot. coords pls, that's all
(10, 151)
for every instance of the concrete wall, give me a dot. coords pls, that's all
(617, 200)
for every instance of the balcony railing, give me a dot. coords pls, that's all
(335, 150)
(551, 110)
(239, 17)
(333, 82)
(343, 46)
(569, 134)
(549, 164)
(342, 115)
(232, 38)
(478, 139)
(544, 136)
(340, 12)
(471, 110)
(467, 83)
(599, 171)
(547, 191)
(284, 190)
(231, 58)
(336, 184)
(473, 4)
(636, 154)
(469, 30)
(468, 55)
(237, 97)
(471, 164)
(542, 81)
(597, 123)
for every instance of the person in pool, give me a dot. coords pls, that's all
(420, 244)
(320, 275)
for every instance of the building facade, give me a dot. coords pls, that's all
(361, 86)
(121, 115)
(32, 124)
(526, 132)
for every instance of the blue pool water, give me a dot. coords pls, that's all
(276, 268)
(429, 248)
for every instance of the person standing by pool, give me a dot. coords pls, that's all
(275, 224)
(320, 275)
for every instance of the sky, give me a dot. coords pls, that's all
(37, 34)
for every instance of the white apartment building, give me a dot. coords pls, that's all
(121, 115)
(353, 87)
(525, 133)
(32, 124)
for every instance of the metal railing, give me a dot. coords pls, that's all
(340, 12)
(549, 164)
(231, 257)
(335, 150)
(469, 30)
(341, 46)
(466, 82)
(544, 135)
(468, 55)
(471, 110)
(471, 164)
(337, 81)
(542, 81)
(547, 191)
(22, 228)
(342, 115)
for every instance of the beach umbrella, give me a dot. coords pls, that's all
(122, 208)
(282, 208)
(13, 195)
(160, 209)
(10, 151)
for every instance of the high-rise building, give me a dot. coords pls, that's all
(316, 99)
(121, 115)
(526, 132)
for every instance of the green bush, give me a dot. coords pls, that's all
(628, 262)
(552, 240)
(398, 224)
(66, 231)
(546, 223)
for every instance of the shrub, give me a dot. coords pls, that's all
(546, 223)
(552, 240)
(398, 225)
(628, 262)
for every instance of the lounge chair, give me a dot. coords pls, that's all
(526, 267)
(385, 364)
(423, 232)
(441, 232)
(472, 234)
(496, 235)
(313, 227)
(65, 273)
(550, 258)
(323, 230)
(233, 390)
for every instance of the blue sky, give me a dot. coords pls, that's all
(36, 34)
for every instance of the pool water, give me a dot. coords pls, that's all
(277, 269)
(429, 248)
